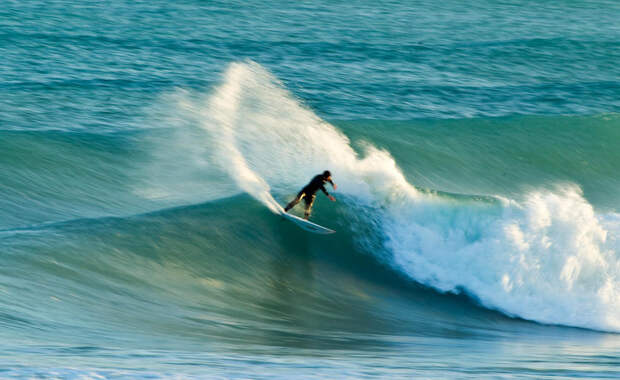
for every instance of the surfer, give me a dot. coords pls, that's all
(308, 193)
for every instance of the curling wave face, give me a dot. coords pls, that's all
(163, 239)
(548, 256)
(542, 254)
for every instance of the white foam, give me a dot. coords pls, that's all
(549, 258)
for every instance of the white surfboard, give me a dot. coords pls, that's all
(306, 224)
(302, 223)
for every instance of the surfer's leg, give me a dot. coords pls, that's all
(309, 203)
(294, 201)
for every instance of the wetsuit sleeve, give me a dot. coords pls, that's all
(324, 190)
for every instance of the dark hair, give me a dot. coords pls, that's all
(327, 174)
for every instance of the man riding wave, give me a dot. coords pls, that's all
(308, 193)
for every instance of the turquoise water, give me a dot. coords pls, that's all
(475, 146)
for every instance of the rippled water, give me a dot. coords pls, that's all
(475, 146)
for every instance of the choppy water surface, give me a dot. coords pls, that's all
(475, 147)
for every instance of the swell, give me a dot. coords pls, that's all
(507, 156)
(516, 255)
(543, 253)
(50, 176)
(227, 270)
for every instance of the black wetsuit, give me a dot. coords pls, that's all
(308, 193)
(318, 182)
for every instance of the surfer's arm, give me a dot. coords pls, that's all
(333, 184)
(331, 197)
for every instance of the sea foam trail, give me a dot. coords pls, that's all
(549, 258)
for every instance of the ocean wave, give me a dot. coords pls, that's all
(547, 255)
(550, 258)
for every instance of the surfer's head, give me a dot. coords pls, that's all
(327, 174)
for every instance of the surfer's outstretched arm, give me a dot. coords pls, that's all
(331, 197)
(329, 179)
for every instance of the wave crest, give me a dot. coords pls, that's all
(549, 257)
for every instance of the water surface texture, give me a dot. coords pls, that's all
(476, 146)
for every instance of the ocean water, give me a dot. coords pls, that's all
(475, 145)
